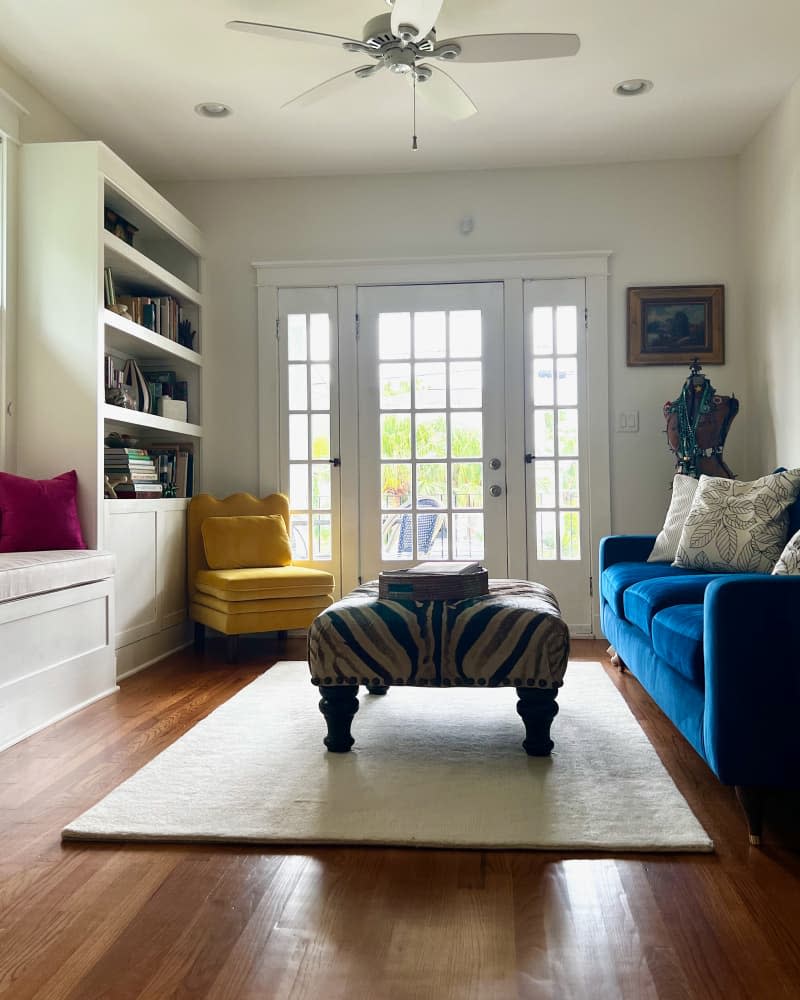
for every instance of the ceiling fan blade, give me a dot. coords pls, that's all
(296, 34)
(328, 87)
(420, 14)
(444, 95)
(510, 47)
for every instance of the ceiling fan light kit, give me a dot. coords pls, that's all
(404, 41)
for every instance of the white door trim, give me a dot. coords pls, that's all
(510, 269)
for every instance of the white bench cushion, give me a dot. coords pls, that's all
(23, 574)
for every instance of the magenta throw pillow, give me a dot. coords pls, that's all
(39, 514)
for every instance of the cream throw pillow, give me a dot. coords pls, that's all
(738, 527)
(666, 545)
(789, 562)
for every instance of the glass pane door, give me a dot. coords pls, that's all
(557, 481)
(432, 481)
(309, 431)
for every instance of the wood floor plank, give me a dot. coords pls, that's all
(117, 922)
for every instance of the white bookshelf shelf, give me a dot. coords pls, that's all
(131, 267)
(136, 341)
(151, 421)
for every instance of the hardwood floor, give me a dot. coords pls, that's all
(156, 922)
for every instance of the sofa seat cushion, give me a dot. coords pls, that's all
(617, 578)
(23, 574)
(678, 638)
(263, 583)
(642, 600)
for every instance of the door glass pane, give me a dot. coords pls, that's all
(395, 383)
(566, 330)
(466, 389)
(430, 335)
(320, 387)
(466, 435)
(568, 495)
(300, 547)
(320, 435)
(544, 433)
(395, 485)
(320, 336)
(545, 483)
(298, 346)
(468, 536)
(567, 381)
(465, 333)
(568, 432)
(431, 435)
(570, 535)
(320, 487)
(395, 435)
(543, 382)
(298, 437)
(394, 335)
(298, 486)
(429, 385)
(397, 536)
(321, 524)
(542, 330)
(431, 483)
(467, 484)
(546, 547)
(298, 387)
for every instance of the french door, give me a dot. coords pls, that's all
(463, 410)
(431, 426)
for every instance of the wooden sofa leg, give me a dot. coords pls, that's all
(232, 649)
(199, 638)
(751, 800)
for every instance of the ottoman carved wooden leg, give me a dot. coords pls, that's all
(537, 709)
(339, 705)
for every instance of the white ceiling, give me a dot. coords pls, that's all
(130, 72)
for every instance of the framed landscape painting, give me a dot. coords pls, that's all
(674, 325)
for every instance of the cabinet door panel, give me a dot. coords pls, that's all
(171, 557)
(132, 537)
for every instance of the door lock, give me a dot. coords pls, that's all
(495, 463)
(495, 490)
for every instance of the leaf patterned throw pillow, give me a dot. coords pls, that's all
(789, 562)
(738, 527)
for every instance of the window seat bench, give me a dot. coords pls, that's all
(56, 637)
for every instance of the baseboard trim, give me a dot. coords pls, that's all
(156, 659)
(59, 717)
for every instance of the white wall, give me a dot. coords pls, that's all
(666, 223)
(769, 186)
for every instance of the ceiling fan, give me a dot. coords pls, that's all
(404, 42)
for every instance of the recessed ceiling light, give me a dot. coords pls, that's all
(633, 88)
(213, 109)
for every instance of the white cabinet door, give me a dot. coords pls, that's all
(132, 535)
(171, 562)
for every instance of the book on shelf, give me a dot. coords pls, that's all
(162, 314)
(138, 491)
(175, 464)
(109, 297)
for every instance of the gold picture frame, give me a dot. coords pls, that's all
(674, 324)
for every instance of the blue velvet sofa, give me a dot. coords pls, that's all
(719, 653)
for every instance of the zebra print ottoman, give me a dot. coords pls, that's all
(513, 637)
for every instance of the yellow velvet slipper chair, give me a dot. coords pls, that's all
(240, 572)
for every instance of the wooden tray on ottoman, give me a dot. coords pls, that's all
(400, 585)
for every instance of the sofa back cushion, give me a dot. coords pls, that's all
(39, 514)
(666, 544)
(736, 527)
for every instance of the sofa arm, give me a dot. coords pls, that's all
(751, 645)
(625, 548)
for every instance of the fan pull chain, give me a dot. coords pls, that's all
(414, 143)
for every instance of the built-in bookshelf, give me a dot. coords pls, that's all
(73, 335)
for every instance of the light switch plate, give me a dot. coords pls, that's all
(628, 422)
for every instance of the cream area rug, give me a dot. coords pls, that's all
(430, 768)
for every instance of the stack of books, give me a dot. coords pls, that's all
(132, 473)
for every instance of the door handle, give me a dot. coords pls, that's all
(530, 458)
(335, 462)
